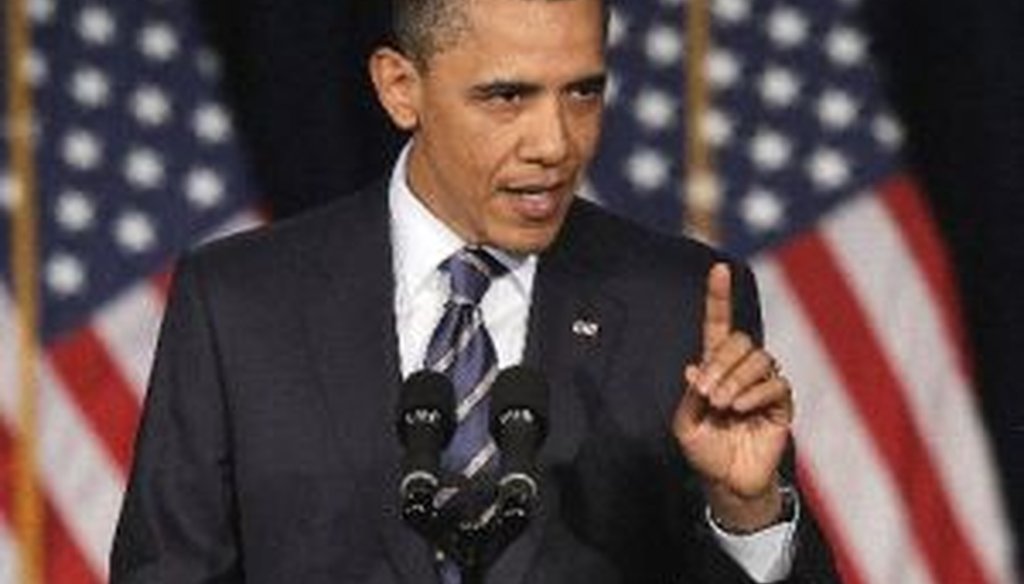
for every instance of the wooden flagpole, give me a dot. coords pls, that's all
(28, 513)
(700, 190)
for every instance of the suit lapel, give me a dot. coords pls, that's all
(350, 319)
(573, 323)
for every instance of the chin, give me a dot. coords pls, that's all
(527, 240)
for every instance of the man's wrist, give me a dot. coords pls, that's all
(745, 515)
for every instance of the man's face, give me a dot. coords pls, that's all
(508, 118)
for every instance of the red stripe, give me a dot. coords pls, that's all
(101, 391)
(906, 203)
(63, 560)
(162, 282)
(845, 562)
(874, 387)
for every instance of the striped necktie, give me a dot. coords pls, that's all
(461, 349)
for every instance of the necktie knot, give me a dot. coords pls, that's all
(471, 270)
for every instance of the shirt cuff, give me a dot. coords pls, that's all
(766, 555)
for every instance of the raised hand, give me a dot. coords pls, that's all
(733, 420)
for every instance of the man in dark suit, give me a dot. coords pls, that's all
(267, 451)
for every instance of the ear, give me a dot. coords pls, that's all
(397, 82)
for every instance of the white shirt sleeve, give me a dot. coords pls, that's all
(767, 555)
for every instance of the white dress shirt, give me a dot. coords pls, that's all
(420, 243)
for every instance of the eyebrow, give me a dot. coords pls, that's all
(594, 82)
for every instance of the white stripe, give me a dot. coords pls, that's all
(128, 327)
(904, 315)
(9, 561)
(834, 446)
(480, 459)
(243, 221)
(478, 393)
(77, 473)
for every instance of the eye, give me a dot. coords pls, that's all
(589, 90)
(503, 94)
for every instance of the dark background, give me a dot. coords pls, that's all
(954, 69)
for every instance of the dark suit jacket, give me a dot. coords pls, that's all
(267, 451)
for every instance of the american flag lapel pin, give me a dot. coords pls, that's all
(586, 328)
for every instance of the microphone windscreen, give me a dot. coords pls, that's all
(426, 391)
(520, 388)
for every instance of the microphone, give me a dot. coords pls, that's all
(425, 420)
(519, 422)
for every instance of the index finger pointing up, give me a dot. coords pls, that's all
(717, 308)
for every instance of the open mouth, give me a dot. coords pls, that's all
(535, 201)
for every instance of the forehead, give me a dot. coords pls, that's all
(519, 37)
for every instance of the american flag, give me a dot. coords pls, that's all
(859, 307)
(135, 160)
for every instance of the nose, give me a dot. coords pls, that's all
(546, 139)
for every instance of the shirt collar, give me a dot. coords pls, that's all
(421, 241)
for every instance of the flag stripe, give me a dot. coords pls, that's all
(128, 329)
(836, 448)
(79, 476)
(8, 549)
(878, 395)
(99, 388)
(849, 571)
(62, 562)
(907, 204)
(872, 254)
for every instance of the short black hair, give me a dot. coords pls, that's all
(422, 28)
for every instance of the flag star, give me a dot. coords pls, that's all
(75, 211)
(90, 87)
(723, 69)
(150, 106)
(655, 109)
(612, 89)
(836, 109)
(731, 11)
(846, 46)
(96, 25)
(663, 45)
(144, 169)
(42, 11)
(787, 27)
(82, 150)
(65, 274)
(617, 28)
(762, 210)
(208, 63)
(211, 123)
(887, 131)
(828, 169)
(588, 192)
(204, 188)
(718, 127)
(779, 87)
(647, 169)
(37, 67)
(770, 150)
(9, 191)
(703, 192)
(134, 232)
(158, 42)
